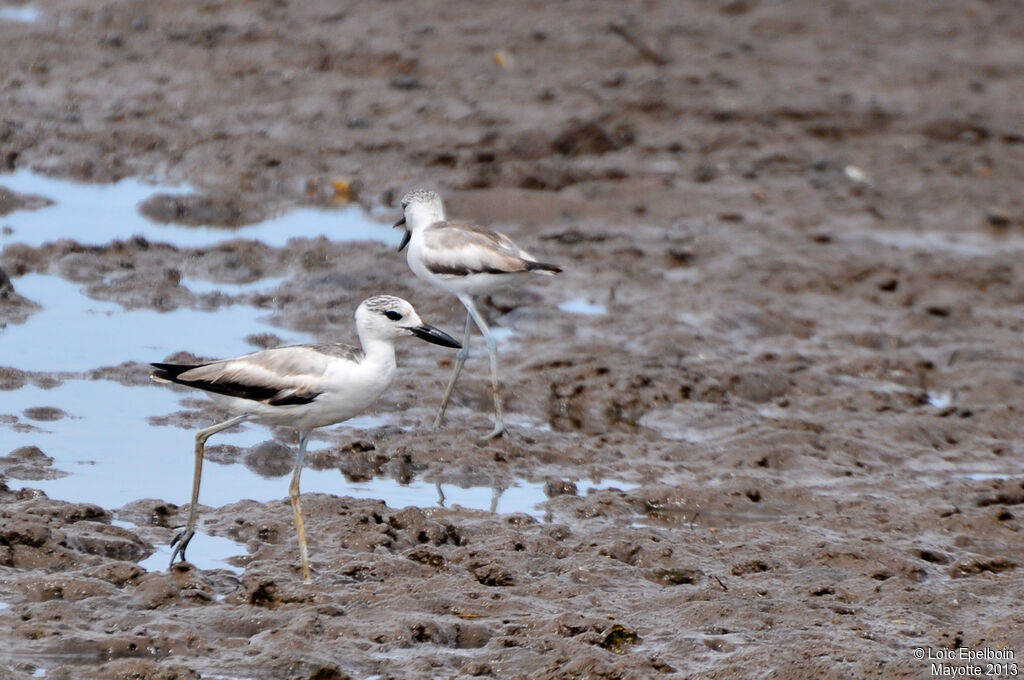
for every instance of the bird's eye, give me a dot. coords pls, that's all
(393, 315)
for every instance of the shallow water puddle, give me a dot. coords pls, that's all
(502, 335)
(965, 244)
(115, 456)
(205, 552)
(200, 287)
(100, 213)
(583, 307)
(988, 476)
(691, 517)
(520, 496)
(20, 13)
(74, 332)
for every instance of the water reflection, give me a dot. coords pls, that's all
(22, 14)
(74, 332)
(101, 213)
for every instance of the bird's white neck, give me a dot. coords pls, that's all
(419, 215)
(377, 350)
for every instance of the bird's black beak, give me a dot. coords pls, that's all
(405, 237)
(435, 336)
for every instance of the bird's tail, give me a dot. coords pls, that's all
(169, 372)
(544, 268)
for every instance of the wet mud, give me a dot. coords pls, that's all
(786, 344)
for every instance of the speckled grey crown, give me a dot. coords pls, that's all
(384, 303)
(420, 196)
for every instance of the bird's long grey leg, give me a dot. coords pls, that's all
(496, 492)
(180, 542)
(293, 492)
(492, 348)
(460, 359)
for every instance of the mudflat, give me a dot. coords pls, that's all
(787, 341)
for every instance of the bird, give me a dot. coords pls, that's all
(467, 261)
(302, 386)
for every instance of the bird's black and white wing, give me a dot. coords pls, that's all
(459, 249)
(279, 377)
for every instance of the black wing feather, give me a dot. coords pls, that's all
(170, 372)
(543, 267)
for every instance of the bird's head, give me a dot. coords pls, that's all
(420, 208)
(386, 317)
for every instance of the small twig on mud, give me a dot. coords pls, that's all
(629, 35)
(720, 582)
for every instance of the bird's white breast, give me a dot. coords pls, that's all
(346, 387)
(416, 264)
(350, 389)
